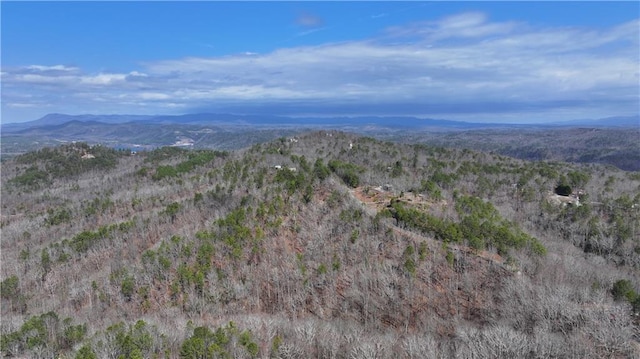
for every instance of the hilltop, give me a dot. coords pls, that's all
(318, 244)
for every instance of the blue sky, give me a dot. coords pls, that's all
(473, 61)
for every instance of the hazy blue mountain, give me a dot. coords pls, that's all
(244, 120)
(58, 119)
(616, 121)
(207, 119)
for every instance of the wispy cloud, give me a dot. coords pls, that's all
(308, 24)
(465, 25)
(306, 19)
(462, 66)
(56, 68)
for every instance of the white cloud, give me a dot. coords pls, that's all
(103, 79)
(42, 68)
(23, 105)
(472, 24)
(41, 79)
(137, 74)
(153, 96)
(436, 68)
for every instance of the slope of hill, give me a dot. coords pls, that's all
(327, 244)
(619, 147)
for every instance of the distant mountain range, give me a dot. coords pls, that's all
(50, 121)
(232, 120)
(616, 121)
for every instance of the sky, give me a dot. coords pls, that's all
(509, 62)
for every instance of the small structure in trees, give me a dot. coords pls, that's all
(564, 200)
(563, 190)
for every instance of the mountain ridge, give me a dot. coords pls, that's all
(335, 121)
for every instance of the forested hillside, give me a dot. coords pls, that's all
(326, 245)
(619, 147)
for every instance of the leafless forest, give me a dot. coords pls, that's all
(325, 245)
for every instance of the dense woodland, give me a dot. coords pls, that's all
(327, 245)
(617, 146)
